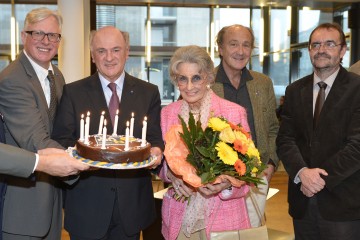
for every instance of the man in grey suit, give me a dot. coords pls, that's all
(355, 68)
(22, 163)
(28, 97)
(255, 92)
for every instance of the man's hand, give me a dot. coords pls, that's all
(306, 191)
(57, 162)
(156, 152)
(311, 179)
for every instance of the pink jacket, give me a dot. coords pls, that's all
(229, 212)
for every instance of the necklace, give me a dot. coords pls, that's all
(195, 112)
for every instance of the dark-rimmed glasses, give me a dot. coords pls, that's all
(40, 35)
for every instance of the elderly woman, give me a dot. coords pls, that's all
(213, 207)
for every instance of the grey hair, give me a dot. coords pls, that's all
(191, 54)
(125, 35)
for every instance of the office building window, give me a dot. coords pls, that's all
(310, 19)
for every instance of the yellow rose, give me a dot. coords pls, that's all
(227, 135)
(217, 124)
(241, 136)
(226, 153)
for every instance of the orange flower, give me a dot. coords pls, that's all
(240, 167)
(234, 127)
(240, 146)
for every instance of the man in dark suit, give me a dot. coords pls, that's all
(109, 204)
(28, 98)
(322, 154)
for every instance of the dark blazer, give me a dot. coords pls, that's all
(29, 204)
(89, 202)
(334, 145)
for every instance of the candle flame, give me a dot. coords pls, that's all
(145, 118)
(82, 115)
(132, 114)
(105, 122)
(88, 113)
(117, 111)
(127, 123)
(103, 112)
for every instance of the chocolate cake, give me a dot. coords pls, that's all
(114, 151)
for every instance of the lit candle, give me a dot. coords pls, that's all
(132, 125)
(127, 137)
(104, 132)
(82, 128)
(116, 123)
(87, 128)
(143, 133)
(101, 122)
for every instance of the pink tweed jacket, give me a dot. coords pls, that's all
(229, 211)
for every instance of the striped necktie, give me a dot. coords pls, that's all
(53, 97)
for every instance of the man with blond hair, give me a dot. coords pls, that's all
(30, 88)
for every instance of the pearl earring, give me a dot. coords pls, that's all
(208, 87)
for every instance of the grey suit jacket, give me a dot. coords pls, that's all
(28, 202)
(262, 97)
(16, 161)
(355, 68)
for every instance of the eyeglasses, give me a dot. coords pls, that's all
(196, 80)
(39, 36)
(328, 45)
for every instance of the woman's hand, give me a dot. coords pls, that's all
(181, 189)
(212, 189)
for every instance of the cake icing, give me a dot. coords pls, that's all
(114, 152)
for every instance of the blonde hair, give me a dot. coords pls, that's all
(192, 54)
(39, 14)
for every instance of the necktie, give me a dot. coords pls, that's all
(114, 102)
(2, 130)
(319, 102)
(53, 97)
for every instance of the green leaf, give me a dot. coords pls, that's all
(203, 151)
(204, 177)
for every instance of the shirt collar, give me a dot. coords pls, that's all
(39, 70)
(119, 82)
(223, 78)
(329, 81)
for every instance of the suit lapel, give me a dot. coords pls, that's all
(336, 92)
(128, 99)
(306, 95)
(253, 94)
(95, 95)
(32, 77)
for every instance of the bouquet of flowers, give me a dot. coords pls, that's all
(222, 150)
